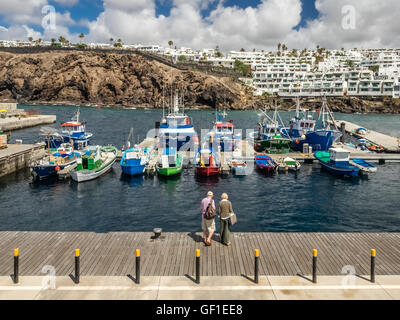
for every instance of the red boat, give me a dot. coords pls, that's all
(207, 171)
(206, 163)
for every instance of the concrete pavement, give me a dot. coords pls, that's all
(211, 288)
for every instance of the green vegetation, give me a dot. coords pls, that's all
(81, 46)
(374, 69)
(243, 68)
(181, 58)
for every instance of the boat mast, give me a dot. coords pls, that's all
(163, 102)
(297, 107)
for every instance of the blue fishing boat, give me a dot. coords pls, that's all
(337, 161)
(134, 161)
(73, 132)
(176, 130)
(47, 167)
(265, 164)
(303, 129)
(222, 135)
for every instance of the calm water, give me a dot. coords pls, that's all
(308, 201)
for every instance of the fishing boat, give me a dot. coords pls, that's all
(134, 160)
(365, 167)
(265, 163)
(303, 129)
(268, 137)
(170, 163)
(176, 130)
(207, 163)
(239, 167)
(59, 159)
(73, 132)
(95, 162)
(222, 135)
(337, 161)
(288, 164)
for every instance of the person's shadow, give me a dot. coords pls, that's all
(198, 238)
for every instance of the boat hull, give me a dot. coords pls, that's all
(207, 171)
(133, 170)
(169, 172)
(319, 140)
(41, 172)
(345, 172)
(82, 176)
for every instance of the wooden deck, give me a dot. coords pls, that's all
(113, 254)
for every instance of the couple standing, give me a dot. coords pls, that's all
(225, 212)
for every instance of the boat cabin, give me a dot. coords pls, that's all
(302, 124)
(339, 157)
(224, 127)
(73, 128)
(175, 121)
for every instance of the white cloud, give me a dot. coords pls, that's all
(261, 27)
(21, 32)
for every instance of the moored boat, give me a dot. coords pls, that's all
(134, 160)
(239, 167)
(316, 133)
(288, 164)
(222, 135)
(170, 163)
(73, 132)
(207, 163)
(364, 166)
(95, 162)
(337, 161)
(59, 159)
(265, 163)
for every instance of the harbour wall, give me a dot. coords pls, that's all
(18, 156)
(12, 123)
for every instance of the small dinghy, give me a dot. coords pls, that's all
(365, 167)
(265, 164)
(239, 167)
(288, 164)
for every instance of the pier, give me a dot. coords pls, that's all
(107, 266)
(390, 144)
(13, 123)
(17, 156)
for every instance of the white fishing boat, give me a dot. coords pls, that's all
(96, 161)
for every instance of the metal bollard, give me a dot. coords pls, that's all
(16, 265)
(198, 266)
(256, 262)
(373, 254)
(314, 266)
(137, 266)
(77, 265)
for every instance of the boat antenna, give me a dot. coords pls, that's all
(297, 107)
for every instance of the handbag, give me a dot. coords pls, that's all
(233, 219)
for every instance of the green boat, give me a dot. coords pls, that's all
(274, 145)
(170, 163)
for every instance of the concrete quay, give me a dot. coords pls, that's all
(14, 123)
(18, 156)
(211, 288)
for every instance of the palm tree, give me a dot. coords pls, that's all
(279, 46)
(81, 36)
(111, 39)
(62, 39)
(242, 50)
(170, 43)
(30, 39)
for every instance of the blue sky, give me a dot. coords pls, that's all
(230, 24)
(90, 10)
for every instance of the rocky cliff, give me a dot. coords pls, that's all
(86, 77)
(110, 79)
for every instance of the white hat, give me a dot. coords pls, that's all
(210, 193)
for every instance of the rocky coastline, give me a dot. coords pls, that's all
(130, 80)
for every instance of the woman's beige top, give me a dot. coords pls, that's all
(225, 209)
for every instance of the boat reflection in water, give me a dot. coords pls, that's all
(132, 181)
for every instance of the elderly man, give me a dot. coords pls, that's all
(207, 225)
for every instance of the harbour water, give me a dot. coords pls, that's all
(309, 201)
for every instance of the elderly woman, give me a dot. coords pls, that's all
(224, 213)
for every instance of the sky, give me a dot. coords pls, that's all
(230, 24)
